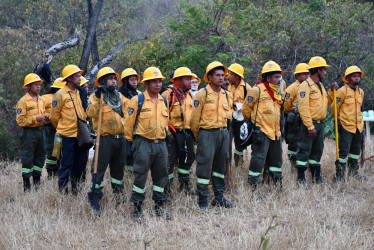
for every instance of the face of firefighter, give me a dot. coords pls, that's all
(234, 78)
(34, 88)
(194, 84)
(76, 78)
(186, 82)
(111, 81)
(355, 78)
(274, 79)
(302, 77)
(226, 83)
(133, 81)
(85, 87)
(217, 77)
(154, 86)
(322, 72)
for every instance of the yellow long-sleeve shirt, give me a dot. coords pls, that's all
(349, 103)
(152, 120)
(291, 97)
(28, 109)
(237, 93)
(125, 103)
(175, 118)
(47, 99)
(268, 112)
(211, 110)
(63, 116)
(312, 103)
(111, 122)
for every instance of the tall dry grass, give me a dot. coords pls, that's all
(326, 216)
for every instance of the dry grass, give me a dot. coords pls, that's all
(327, 216)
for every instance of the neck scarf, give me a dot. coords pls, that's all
(181, 90)
(111, 97)
(273, 90)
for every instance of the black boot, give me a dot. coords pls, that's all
(160, 210)
(36, 181)
(236, 159)
(26, 184)
(301, 176)
(138, 211)
(220, 201)
(340, 172)
(353, 170)
(185, 185)
(203, 202)
(293, 163)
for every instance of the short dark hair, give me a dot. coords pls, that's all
(312, 71)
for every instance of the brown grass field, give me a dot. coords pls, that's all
(326, 216)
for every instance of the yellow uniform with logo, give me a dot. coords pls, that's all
(32, 142)
(147, 131)
(209, 126)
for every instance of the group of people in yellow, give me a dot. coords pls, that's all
(156, 131)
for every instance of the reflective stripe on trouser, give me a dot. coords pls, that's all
(310, 149)
(32, 152)
(149, 156)
(211, 160)
(111, 153)
(349, 145)
(270, 150)
(177, 155)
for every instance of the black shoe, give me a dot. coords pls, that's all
(26, 184)
(186, 187)
(160, 210)
(138, 212)
(203, 202)
(36, 181)
(221, 202)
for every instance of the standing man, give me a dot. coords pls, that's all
(301, 73)
(112, 149)
(349, 99)
(209, 125)
(195, 85)
(31, 117)
(51, 163)
(238, 90)
(145, 125)
(313, 103)
(66, 106)
(263, 108)
(180, 108)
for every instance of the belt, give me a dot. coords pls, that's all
(114, 136)
(213, 129)
(149, 140)
(181, 130)
(48, 125)
(321, 121)
(33, 128)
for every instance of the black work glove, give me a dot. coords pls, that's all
(101, 88)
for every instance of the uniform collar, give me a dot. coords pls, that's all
(67, 89)
(146, 96)
(29, 97)
(209, 88)
(356, 89)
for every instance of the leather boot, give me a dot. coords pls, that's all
(138, 211)
(185, 185)
(26, 184)
(203, 202)
(220, 201)
(317, 177)
(36, 181)
(301, 176)
(353, 170)
(340, 172)
(159, 209)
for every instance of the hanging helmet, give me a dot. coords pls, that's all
(83, 81)
(317, 62)
(237, 69)
(70, 70)
(271, 66)
(196, 77)
(104, 71)
(30, 78)
(182, 71)
(351, 70)
(152, 73)
(59, 83)
(129, 72)
(301, 68)
(211, 66)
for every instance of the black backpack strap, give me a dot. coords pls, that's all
(140, 105)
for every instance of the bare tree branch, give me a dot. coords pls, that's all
(96, 67)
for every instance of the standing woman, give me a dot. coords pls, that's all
(51, 163)
(129, 81)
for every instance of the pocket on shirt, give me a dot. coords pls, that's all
(209, 111)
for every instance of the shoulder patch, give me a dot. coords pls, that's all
(19, 111)
(250, 99)
(302, 94)
(131, 111)
(288, 95)
(196, 103)
(54, 104)
(337, 100)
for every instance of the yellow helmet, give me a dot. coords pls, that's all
(317, 62)
(237, 69)
(211, 66)
(196, 77)
(83, 81)
(129, 72)
(351, 70)
(301, 68)
(152, 73)
(30, 78)
(105, 71)
(271, 66)
(59, 83)
(70, 70)
(182, 71)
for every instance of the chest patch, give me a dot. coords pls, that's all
(302, 94)
(19, 111)
(250, 99)
(288, 95)
(196, 103)
(54, 104)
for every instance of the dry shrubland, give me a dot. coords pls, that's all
(326, 216)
